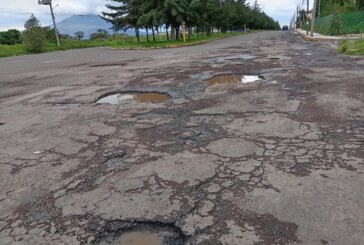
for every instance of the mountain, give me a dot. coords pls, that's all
(88, 24)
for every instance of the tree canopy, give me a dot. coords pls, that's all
(327, 7)
(199, 15)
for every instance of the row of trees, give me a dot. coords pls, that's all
(327, 7)
(203, 16)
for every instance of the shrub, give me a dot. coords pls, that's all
(100, 34)
(10, 37)
(343, 45)
(34, 35)
(79, 35)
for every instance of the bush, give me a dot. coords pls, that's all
(79, 35)
(100, 34)
(343, 45)
(50, 34)
(34, 35)
(10, 37)
(334, 28)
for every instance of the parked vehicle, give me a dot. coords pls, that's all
(285, 28)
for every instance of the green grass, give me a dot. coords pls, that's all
(12, 50)
(116, 42)
(351, 48)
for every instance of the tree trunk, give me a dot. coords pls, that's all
(153, 34)
(147, 34)
(167, 33)
(173, 34)
(137, 34)
(177, 33)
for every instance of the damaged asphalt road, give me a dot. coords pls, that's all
(275, 161)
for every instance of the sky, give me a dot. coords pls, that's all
(13, 13)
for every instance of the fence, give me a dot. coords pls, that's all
(339, 24)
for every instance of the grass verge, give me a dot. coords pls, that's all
(123, 42)
(351, 47)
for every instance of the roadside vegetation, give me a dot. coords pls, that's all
(163, 21)
(328, 7)
(113, 41)
(351, 47)
(200, 16)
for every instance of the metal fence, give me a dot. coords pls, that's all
(339, 24)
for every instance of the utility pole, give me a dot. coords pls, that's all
(308, 9)
(313, 17)
(49, 2)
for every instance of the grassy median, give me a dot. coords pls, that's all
(125, 42)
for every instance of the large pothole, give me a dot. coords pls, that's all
(140, 97)
(234, 79)
(143, 234)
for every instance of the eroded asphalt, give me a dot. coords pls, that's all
(274, 162)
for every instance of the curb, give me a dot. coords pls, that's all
(315, 39)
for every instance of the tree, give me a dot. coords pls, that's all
(99, 34)
(79, 35)
(124, 15)
(359, 4)
(33, 35)
(10, 37)
(205, 16)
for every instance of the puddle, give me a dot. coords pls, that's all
(233, 79)
(144, 97)
(141, 238)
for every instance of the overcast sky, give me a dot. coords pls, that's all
(13, 13)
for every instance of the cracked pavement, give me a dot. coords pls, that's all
(279, 161)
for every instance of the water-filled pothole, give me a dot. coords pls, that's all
(143, 233)
(141, 97)
(233, 79)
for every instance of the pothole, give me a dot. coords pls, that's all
(140, 97)
(143, 238)
(234, 79)
(109, 64)
(1, 124)
(274, 58)
(236, 57)
(143, 234)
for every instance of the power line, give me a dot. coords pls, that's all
(24, 11)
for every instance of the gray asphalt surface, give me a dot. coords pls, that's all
(277, 161)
